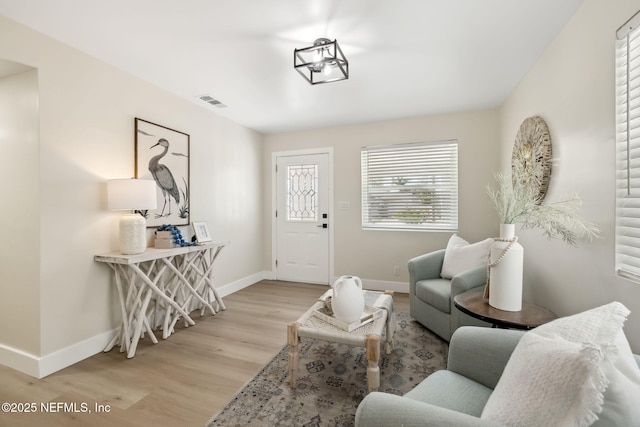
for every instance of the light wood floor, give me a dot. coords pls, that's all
(181, 381)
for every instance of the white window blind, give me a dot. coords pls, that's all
(410, 186)
(628, 150)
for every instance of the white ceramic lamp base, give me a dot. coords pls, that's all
(133, 234)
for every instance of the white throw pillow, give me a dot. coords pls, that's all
(461, 256)
(548, 382)
(599, 325)
(622, 398)
(568, 371)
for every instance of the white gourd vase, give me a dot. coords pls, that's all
(348, 300)
(505, 278)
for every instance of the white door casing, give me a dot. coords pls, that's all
(302, 223)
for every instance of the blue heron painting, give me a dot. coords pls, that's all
(162, 154)
(164, 178)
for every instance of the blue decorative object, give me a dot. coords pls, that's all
(176, 235)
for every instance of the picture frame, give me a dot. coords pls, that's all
(201, 230)
(162, 154)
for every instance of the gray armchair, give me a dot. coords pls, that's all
(449, 398)
(431, 297)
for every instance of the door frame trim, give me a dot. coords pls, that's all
(274, 228)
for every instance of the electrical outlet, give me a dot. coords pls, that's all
(396, 270)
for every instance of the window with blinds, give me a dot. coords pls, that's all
(410, 186)
(628, 149)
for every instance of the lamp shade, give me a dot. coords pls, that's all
(131, 194)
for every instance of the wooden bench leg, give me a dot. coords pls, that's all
(293, 340)
(373, 357)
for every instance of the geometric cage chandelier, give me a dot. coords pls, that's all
(323, 62)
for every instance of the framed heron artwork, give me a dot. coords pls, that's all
(162, 154)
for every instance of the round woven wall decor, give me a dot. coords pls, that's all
(532, 146)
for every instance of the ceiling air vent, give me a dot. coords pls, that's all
(212, 101)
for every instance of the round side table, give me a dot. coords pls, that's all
(475, 305)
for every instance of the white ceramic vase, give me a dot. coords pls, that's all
(347, 301)
(505, 278)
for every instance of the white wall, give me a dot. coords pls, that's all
(572, 88)
(372, 254)
(87, 112)
(20, 212)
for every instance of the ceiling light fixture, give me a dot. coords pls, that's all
(323, 62)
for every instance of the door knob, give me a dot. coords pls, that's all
(323, 226)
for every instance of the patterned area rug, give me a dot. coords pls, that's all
(332, 380)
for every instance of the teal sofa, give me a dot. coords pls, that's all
(453, 397)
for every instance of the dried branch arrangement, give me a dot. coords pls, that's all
(518, 202)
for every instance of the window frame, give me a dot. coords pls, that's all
(401, 177)
(627, 228)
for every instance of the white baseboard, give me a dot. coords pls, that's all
(19, 360)
(381, 285)
(40, 367)
(238, 285)
(74, 353)
(369, 284)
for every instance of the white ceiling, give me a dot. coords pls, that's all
(407, 57)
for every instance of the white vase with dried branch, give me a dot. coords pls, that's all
(517, 202)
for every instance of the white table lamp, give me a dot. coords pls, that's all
(132, 194)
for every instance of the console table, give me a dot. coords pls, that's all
(159, 286)
(474, 304)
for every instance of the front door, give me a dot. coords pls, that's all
(302, 218)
